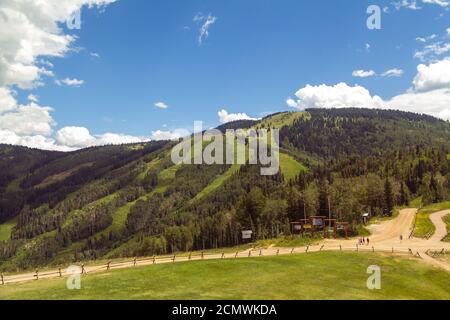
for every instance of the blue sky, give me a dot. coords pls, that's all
(133, 53)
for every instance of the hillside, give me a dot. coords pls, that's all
(131, 200)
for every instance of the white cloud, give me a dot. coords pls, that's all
(291, 103)
(30, 119)
(226, 117)
(435, 103)
(33, 98)
(95, 55)
(169, 135)
(28, 30)
(36, 141)
(30, 34)
(117, 138)
(367, 46)
(80, 137)
(432, 77)
(430, 94)
(70, 82)
(77, 137)
(425, 39)
(442, 3)
(161, 105)
(393, 73)
(363, 73)
(7, 101)
(448, 31)
(413, 4)
(407, 4)
(432, 50)
(338, 96)
(205, 23)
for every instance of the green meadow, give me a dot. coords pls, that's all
(326, 275)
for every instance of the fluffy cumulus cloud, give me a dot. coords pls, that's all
(225, 117)
(430, 94)
(74, 137)
(433, 76)
(7, 101)
(30, 34)
(339, 96)
(80, 137)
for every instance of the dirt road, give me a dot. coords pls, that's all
(441, 228)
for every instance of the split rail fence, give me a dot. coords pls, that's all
(87, 270)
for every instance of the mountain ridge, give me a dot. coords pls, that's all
(116, 201)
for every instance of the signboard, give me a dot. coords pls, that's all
(297, 227)
(247, 234)
(317, 222)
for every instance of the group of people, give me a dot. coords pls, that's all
(364, 241)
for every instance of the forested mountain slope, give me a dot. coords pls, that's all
(131, 200)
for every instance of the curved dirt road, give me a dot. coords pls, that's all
(386, 236)
(441, 228)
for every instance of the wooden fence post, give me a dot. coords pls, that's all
(173, 259)
(36, 275)
(292, 251)
(307, 249)
(3, 281)
(392, 249)
(108, 265)
(260, 252)
(340, 247)
(357, 248)
(190, 256)
(83, 271)
(321, 248)
(373, 249)
(250, 253)
(237, 253)
(135, 261)
(203, 255)
(154, 259)
(60, 272)
(278, 252)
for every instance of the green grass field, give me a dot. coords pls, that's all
(290, 167)
(305, 276)
(219, 181)
(447, 222)
(6, 228)
(424, 226)
(282, 119)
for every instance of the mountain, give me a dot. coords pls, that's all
(131, 200)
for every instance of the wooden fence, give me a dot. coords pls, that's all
(86, 270)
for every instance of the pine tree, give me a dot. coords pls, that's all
(388, 198)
